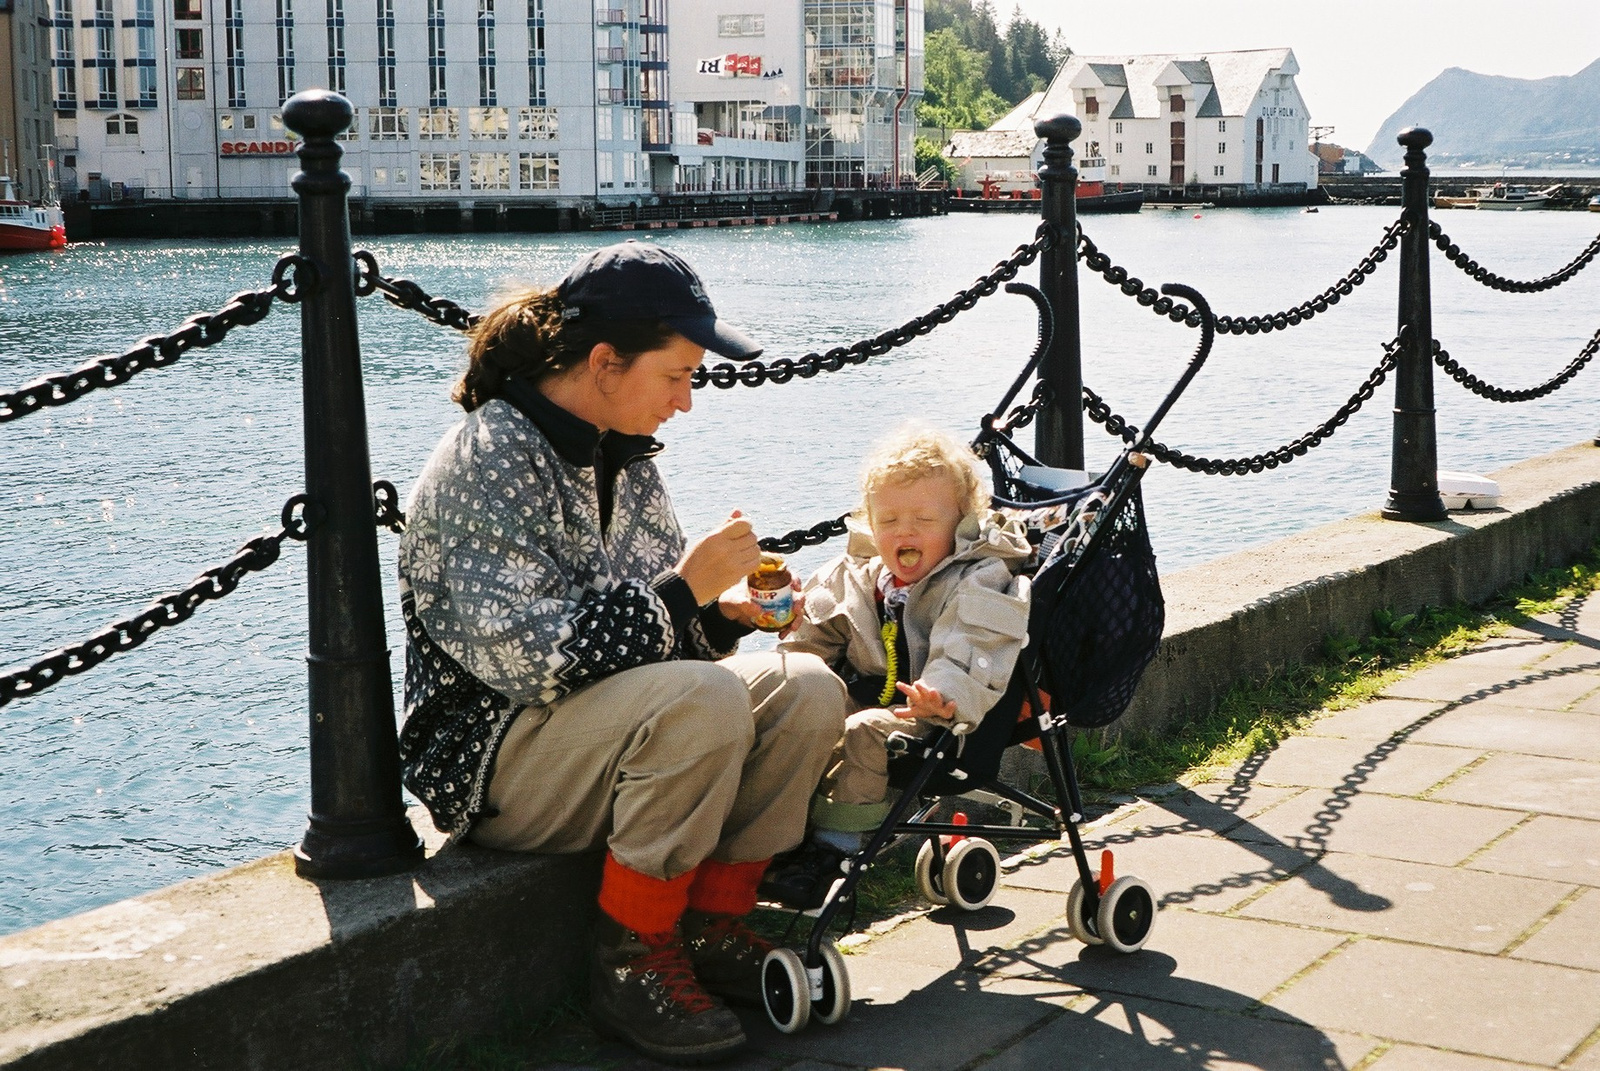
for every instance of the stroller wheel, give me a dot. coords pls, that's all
(1083, 925)
(972, 873)
(1127, 914)
(930, 874)
(835, 1003)
(785, 991)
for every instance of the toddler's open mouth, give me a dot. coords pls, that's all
(908, 557)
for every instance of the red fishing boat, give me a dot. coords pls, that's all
(24, 226)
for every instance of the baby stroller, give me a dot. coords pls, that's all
(1094, 625)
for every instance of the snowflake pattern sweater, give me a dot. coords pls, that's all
(538, 557)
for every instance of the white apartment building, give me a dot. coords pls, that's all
(557, 101)
(1221, 118)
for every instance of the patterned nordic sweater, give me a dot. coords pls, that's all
(515, 593)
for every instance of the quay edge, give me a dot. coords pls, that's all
(279, 218)
(254, 968)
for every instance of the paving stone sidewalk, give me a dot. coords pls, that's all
(1411, 885)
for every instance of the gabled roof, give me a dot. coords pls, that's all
(989, 144)
(1110, 74)
(1211, 107)
(1236, 78)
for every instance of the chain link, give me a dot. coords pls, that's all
(408, 295)
(1452, 367)
(299, 517)
(290, 279)
(1178, 312)
(1488, 278)
(1101, 413)
(754, 373)
(816, 535)
(386, 501)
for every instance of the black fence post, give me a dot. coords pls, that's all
(1414, 457)
(1058, 440)
(358, 821)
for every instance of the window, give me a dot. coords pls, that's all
(1177, 102)
(630, 170)
(285, 25)
(224, 121)
(489, 170)
(536, 52)
(488, 123)
(603, 127)
(436, 55)
(440, 170)
(1117, 147)
(1219, 171)
(487, 79)
(1149, 147)
(1117, 128)
(741, 25)
(538, 171)
(1222, 126)
(380, 176)
(191, 83)
(233, 44)
(1153, 171)
(605, 171)
(386, 80)
(1222, 147)
(538, 124)
(336, 56)
(434, 124)
(388, 124)
(1116, 169)
(1091, 107)
(122, 123)
(185, 9)
(191, 44)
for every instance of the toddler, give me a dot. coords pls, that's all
(923, 617)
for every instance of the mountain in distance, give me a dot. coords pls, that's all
(1492, 121)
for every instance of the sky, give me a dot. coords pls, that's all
(1359, 59)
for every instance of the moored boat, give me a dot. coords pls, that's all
(1594, 203)
(1503, 198)
(28, 227)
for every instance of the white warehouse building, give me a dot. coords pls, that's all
(1219, 118)
(544, 101)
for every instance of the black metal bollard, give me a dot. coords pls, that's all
(358, 822)
(1058, 440)
(1414, 457)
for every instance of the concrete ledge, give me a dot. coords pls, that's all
(256, 968)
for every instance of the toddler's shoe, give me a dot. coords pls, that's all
(801, 878)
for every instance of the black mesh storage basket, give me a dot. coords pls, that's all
(1096, 619)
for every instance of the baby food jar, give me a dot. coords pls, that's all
(770, 590)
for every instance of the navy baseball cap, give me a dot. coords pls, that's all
(635, 280)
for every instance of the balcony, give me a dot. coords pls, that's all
(610, 96)
(610, 55)
(610, 16)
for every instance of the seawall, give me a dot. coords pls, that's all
(254, 968)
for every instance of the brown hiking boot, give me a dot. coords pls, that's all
(643, 990)
(726, 954)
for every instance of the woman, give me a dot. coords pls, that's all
(571, 682)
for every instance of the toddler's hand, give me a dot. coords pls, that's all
(923, 702)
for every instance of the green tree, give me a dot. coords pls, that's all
(1019, 61)
(929, 155)
(956, 95)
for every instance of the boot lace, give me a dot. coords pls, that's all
(668, 966)
(730, 931)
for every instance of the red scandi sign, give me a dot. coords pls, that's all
(258, 148)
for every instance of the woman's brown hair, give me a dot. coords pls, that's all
(524, 335)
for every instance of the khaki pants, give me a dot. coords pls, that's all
(858, 770)
(670, 763)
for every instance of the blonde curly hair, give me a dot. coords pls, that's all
(918, 450)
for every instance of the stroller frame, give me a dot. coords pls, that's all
(958, 863)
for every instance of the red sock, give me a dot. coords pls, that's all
(640, 902)
(726, 888)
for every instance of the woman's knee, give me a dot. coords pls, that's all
(713, 703)
(816, 696)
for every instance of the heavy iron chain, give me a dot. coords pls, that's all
(291, 279)
(300, 515)
(1023, 415)
(1442, 358)
(754, 373)
(1488, 278)
(1178, 312)
(408, 295)
(1101, 413)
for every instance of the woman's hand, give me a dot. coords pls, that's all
(737, 606)
(717, 561)
(923, 702)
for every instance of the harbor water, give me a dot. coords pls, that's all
(189, 754)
